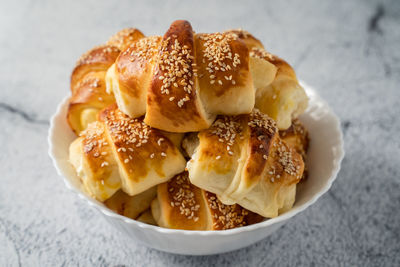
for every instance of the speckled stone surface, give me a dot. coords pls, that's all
(348, 50)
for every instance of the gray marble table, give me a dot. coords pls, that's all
(348, 50)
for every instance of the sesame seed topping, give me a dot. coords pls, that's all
(176, 62)
(184, 197)
(218, 55)
(127, 131)
(226, 129)
(226, 216)
(143, 50)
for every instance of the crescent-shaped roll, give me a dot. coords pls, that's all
(243, 160)
(181, 205)
(119, 152)
(88, 86)
(183, 80)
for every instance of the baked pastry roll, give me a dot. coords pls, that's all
(243, 160)
(182, 205)
(181, 81)
(88, 87)
(119, 152)
(131, 206)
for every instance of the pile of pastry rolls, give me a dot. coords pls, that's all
(188, 130)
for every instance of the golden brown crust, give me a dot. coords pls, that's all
(99, 58)
(247, 37)
(182, 204)
(283, 68)
(136, 143)
(222, 142)
(134, 65)
(96, 150)
(263, 135)
(124, 38)
(222, 61)
(172, 103)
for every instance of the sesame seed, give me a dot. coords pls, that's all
(104, 163)
(159, 141)
(176, 63)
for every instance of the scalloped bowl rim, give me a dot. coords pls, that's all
(281, 218)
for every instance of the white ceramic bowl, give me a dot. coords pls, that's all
(324, 157)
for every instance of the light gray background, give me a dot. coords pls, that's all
(348, 50)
